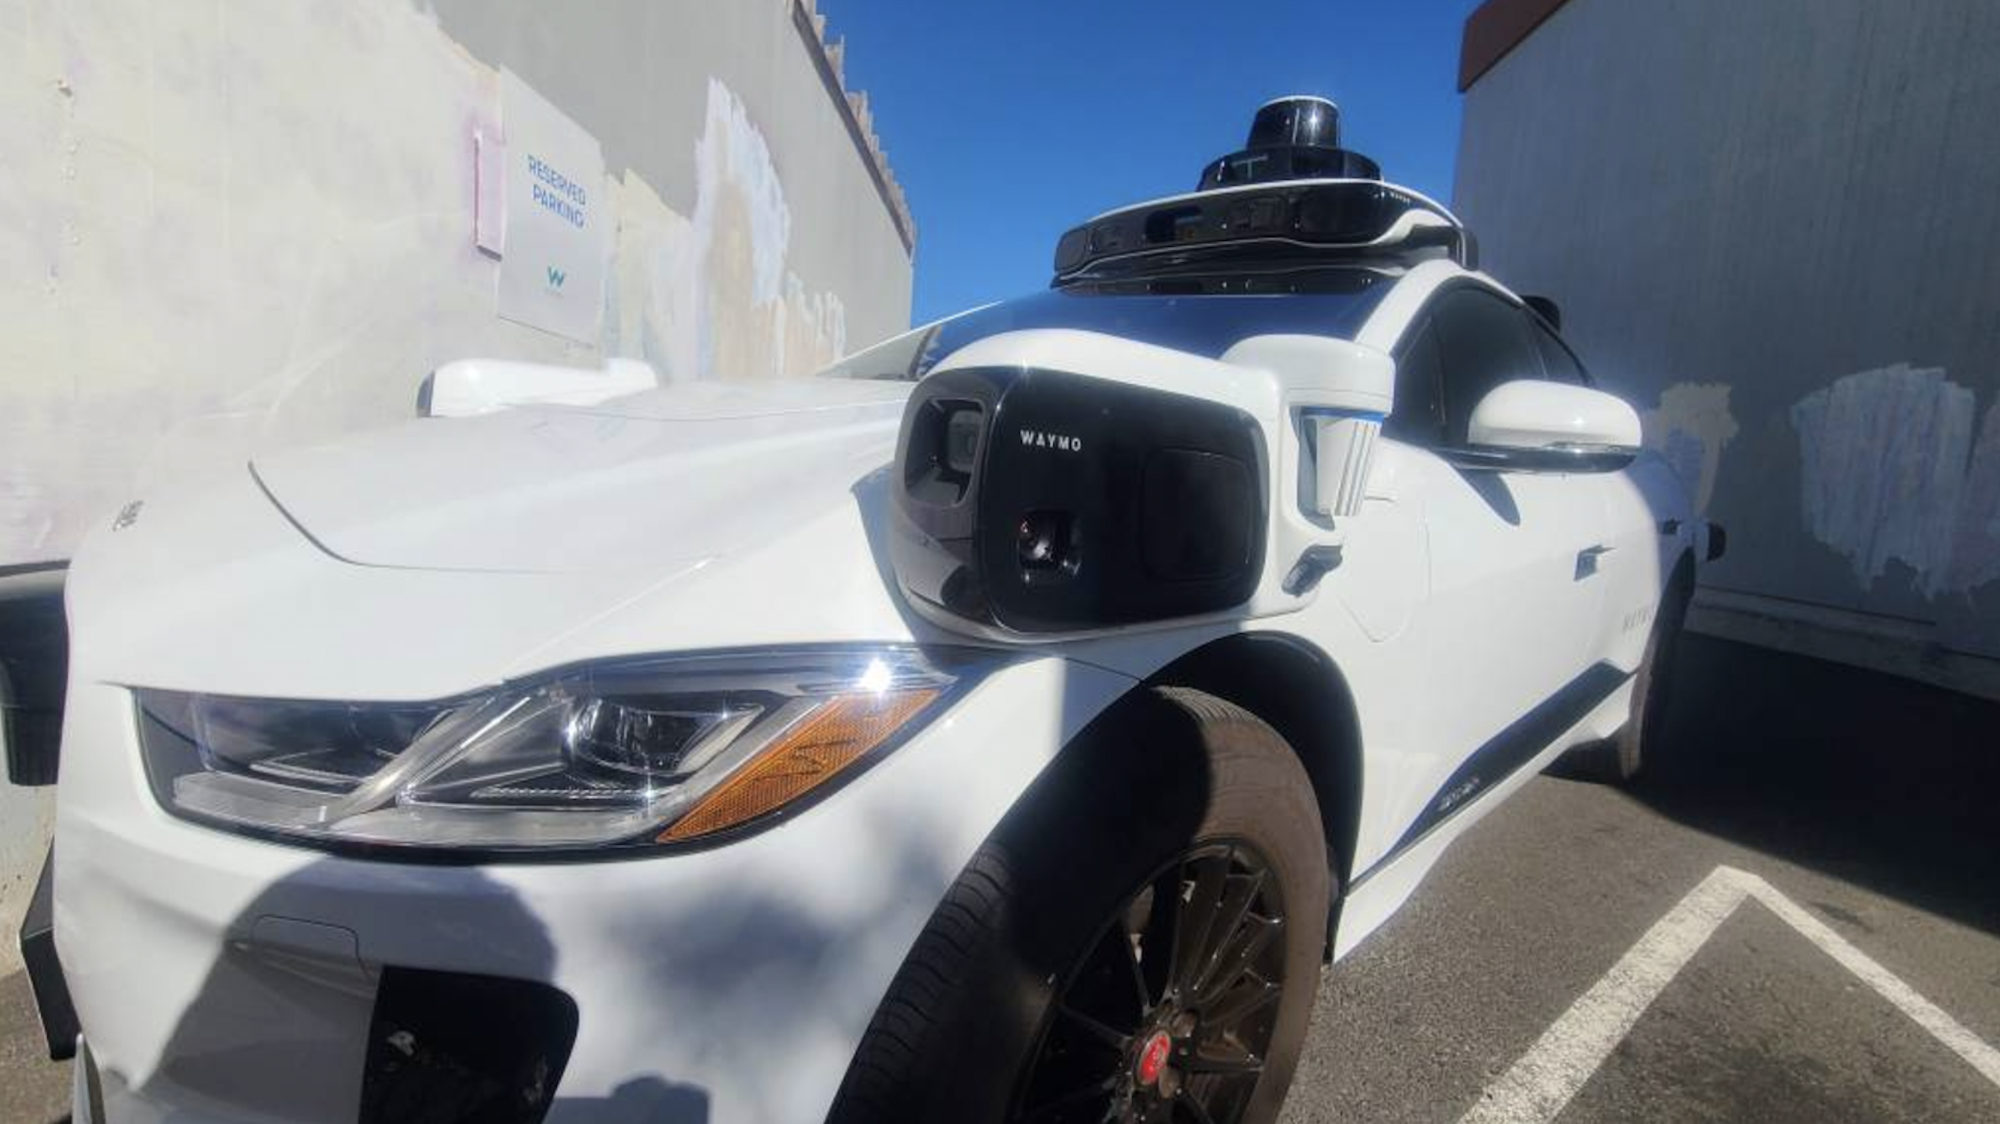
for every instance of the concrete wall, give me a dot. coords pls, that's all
(1776, 227)
(231, 225)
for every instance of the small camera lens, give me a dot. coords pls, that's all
(961, 440)
(1045, 544)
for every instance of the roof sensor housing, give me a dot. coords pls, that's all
(1291, 138)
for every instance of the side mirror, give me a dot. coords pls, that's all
(465, 388)
(1536, 426)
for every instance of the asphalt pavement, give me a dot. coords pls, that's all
(1862, 802)
(1793, 916)
(33, 1090)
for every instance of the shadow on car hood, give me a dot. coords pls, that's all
(667, 477)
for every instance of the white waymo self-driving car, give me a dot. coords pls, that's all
(1004, 726)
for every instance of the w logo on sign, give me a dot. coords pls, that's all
(556, 277)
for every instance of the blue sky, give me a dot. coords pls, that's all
(1007, 123)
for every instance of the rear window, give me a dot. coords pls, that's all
(1202, 315)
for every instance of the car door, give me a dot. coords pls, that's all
(1640, 531)
(1514, 605)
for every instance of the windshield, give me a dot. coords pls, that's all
(1202, 315)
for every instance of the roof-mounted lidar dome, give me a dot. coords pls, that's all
(1291, 138)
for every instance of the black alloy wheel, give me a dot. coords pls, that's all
(1169, 1017)
(1138, 940)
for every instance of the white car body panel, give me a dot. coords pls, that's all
(599, 489)
(1374, 900)
(775, 947)
(449, 555)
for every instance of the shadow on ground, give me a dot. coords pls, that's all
(1882, 782)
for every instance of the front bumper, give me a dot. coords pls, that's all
(220, 978)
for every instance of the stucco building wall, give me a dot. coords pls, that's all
(228, 225)
(1774, 226)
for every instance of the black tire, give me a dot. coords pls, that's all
(1619, 758)
(1172, 788)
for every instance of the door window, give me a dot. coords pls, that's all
(1483, 342)
(1418, 415)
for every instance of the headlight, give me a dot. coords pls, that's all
(630, 753)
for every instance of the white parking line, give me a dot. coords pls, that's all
(1542, 1082)
(1926, 1014)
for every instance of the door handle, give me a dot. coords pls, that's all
(1311, 567)
(1586, 560)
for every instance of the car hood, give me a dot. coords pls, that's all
(647, 483)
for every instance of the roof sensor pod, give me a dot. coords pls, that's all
(1290, 138)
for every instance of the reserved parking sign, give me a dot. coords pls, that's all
(558, 219)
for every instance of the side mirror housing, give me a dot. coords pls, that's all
(1538, 426)
(465, 388)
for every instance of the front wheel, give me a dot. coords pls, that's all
(1139, 941)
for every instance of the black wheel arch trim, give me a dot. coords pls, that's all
(1296, 687)
(37, 939)
(1269, 673)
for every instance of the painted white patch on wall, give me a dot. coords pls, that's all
(1975, 552)
(733, 170)
(1883, 467)
(756, 318)
(712, 295)
(654, 308)
(1690, 429)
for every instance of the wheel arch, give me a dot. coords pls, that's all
(1299, 690)
(1681, 577)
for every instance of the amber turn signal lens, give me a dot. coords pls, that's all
(837, 736)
